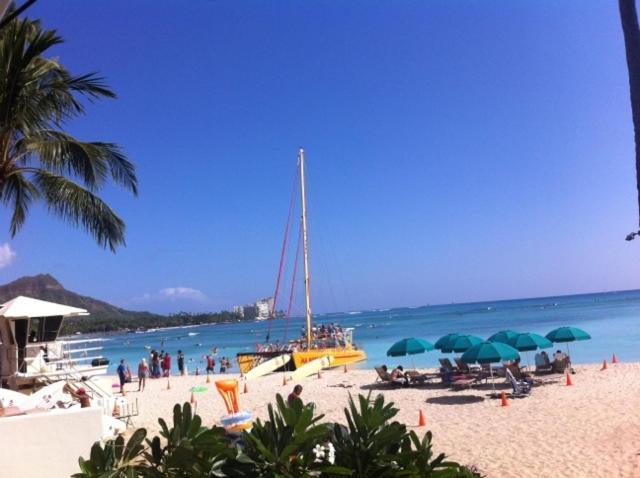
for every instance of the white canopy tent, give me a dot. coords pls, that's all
(29, 330)
(26, 307)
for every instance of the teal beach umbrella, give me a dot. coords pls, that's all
(462, 343)
(567, 334)
(490, 352)
(443, 342)
(503, 336)
(528, 341)
(409, 346)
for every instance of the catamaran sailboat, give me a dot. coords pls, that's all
(334, 347)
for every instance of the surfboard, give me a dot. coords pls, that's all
(268, 366)
(312, 367)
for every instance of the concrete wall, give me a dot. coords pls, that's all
(47, 444)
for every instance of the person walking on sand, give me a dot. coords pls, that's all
(180, 362)
(143, 373)
(122, 375)
(167, 364)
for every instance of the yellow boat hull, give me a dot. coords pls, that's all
(341, 356)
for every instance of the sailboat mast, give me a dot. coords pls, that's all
(305, 247)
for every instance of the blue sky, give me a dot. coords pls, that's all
(457, 151)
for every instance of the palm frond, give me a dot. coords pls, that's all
(18, 193)
(93, 162)
(81, 207)
(37, 159)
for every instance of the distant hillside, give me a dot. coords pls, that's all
(46, 287)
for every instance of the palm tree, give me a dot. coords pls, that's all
(629, 20)
(39, 161)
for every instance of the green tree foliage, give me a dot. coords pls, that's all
(40, 161)
(292, 443)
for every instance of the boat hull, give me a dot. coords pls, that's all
(341, 356)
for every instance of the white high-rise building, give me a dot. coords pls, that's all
(264, 307)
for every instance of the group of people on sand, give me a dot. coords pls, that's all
(225, 364)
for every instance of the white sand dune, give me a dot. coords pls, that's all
(591, 429)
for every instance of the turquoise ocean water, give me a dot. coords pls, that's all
(612, 319)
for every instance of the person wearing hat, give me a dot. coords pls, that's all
(80, 395)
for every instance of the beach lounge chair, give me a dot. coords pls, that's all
(543, 365)
(520, 388)
(385, 377)
(559, 366)
(416, 377)
(515, 371)
(448, 366)
(464, 367)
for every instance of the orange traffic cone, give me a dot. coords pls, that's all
(192, 400)
(345, 368)
(569, 382)
(168, 385)
(614, 359)
(246, 387)
(604, 365)
(422, 421)
(503, 400)
(284, 380)
(319, 375)
(208, 379)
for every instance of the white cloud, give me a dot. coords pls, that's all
(173, 294)
(7, 255)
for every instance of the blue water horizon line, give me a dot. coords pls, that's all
(462, 304)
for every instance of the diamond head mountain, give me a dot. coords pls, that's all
(103, 317)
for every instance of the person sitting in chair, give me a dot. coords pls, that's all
(398, 375)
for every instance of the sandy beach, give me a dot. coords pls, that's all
(590, 429)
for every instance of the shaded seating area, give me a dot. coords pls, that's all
(385, 377)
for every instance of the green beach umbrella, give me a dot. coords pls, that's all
(462, 343)
(528, 341)
(490, 352)
(503, 336)
(443, 342)
(567, 334)
(410, 346)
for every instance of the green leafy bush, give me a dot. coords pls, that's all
(292, 443)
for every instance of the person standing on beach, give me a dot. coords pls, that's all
(166, 365)
(143, 372)
(122, 375)
(181, 362)
(155, 365)
(210, 364)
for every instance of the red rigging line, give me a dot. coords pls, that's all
(283, 252)
(293, 285)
